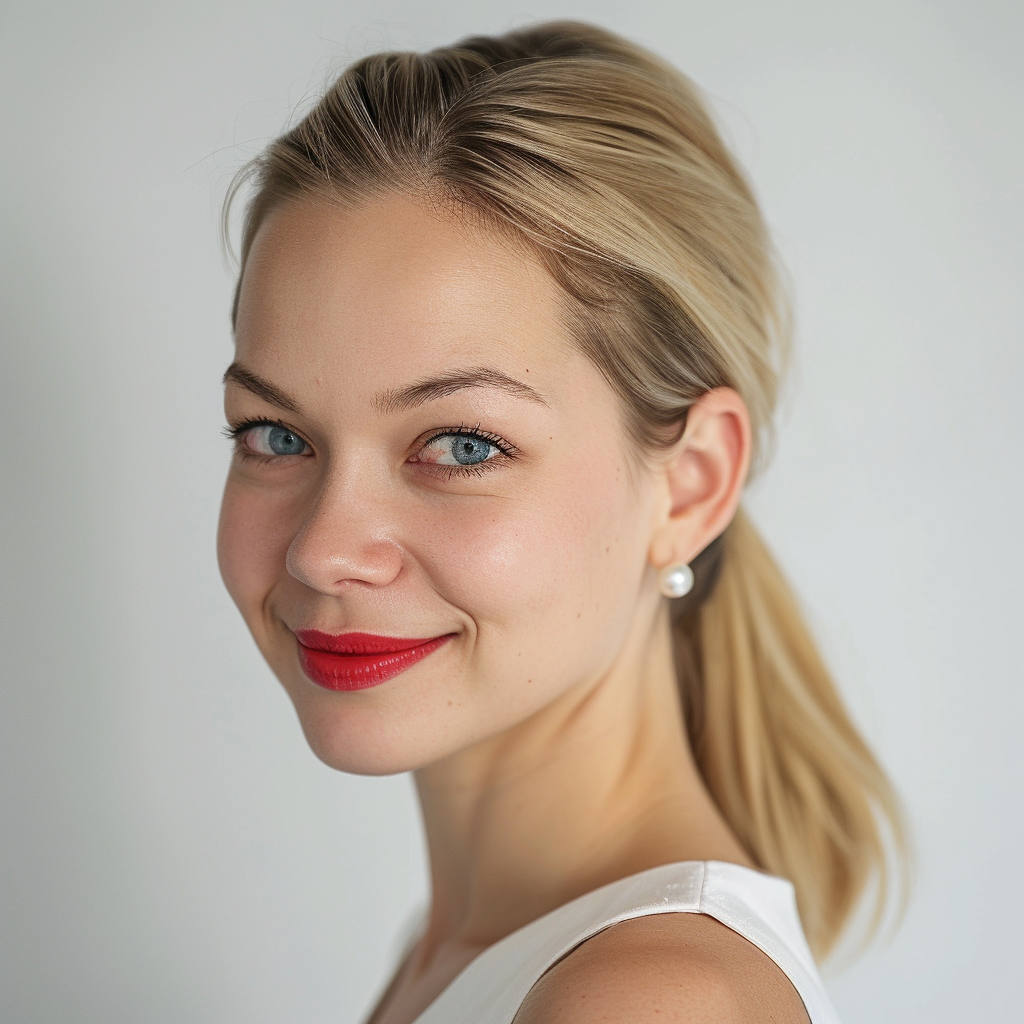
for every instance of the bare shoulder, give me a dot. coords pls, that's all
(664, 969)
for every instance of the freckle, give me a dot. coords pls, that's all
(449, 703)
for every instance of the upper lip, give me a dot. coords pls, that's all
(358, 643)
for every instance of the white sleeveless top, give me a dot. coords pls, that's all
(761, 908)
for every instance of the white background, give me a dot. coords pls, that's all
(171, 851)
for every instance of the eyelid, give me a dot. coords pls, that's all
(235, 430)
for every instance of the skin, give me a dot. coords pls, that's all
(546, 735)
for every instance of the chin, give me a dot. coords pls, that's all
(361, 756)
(418, 719)
(357, 741)
(367, 740)
(359, 733)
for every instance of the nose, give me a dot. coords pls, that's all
(346, 539)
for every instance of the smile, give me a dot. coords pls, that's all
(357, 661)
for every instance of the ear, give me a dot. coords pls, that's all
(702, 478)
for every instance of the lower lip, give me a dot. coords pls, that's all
(347, 672)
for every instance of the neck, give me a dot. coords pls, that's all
(599, 785)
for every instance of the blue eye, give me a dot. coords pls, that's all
(268, 439)
(458, 450)
(468, 451)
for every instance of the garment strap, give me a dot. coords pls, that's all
(761, 908)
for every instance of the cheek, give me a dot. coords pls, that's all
(252, 541)
(547, 571)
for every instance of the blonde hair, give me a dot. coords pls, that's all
(604, 159)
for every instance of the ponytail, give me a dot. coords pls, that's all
(775, 745)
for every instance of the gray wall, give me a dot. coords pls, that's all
(171, 850)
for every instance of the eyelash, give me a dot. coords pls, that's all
(234, 432)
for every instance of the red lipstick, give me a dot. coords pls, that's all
(357, 661)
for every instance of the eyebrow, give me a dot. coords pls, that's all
(260, 387)
(401, 399)
(446, 384)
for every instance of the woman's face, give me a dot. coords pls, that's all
(423, 456)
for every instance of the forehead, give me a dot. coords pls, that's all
(394, 290)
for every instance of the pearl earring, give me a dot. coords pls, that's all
(676, 580)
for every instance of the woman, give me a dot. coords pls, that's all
(508, 343)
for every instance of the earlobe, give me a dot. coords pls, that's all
(704, 477)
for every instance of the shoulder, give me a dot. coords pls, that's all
(664, 969)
